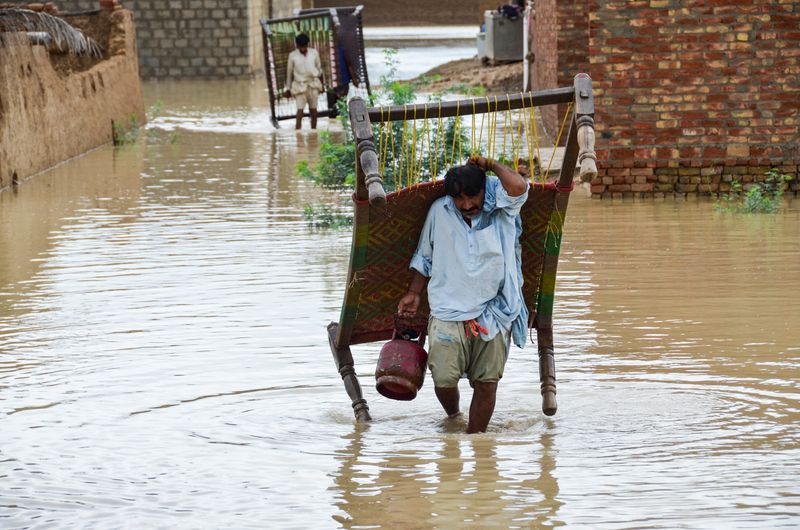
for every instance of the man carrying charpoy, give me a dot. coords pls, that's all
(304, 79)
(469, 255)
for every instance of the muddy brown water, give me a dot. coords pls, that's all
(164, 363)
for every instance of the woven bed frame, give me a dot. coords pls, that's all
(386, 229)
(329, 29)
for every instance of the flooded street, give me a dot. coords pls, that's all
(164, 360)
(419, 48)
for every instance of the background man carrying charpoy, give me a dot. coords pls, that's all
(304, 79)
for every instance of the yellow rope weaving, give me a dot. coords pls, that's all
(533, 142)
(524, 119)
(480, 134)
(494, 130)
(491, 132)
(520, 120)
(413, 159)
(558, 139)
(536, 140)
(439, 141)
(382, 145)
(506, 125)
(426, 133)
(395, 174)
(408, 166)
(473, 130)
(404, 152)
(457, 131)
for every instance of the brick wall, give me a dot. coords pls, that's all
(195, 38)
(693, 94)
(416, 12)
(545, 51)
(561, 50)
(222, 38)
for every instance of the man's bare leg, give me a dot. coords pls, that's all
(298, 122)
(448, 397)
(313, 113)
(481, 409)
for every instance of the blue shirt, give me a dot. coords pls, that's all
(476, 271)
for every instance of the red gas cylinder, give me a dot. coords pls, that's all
(401, 366)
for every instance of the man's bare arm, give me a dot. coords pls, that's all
(409, 304)
(514, 184)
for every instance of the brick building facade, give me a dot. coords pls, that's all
(219, 39)
(418, 12)
(198, 38)
(690, 95)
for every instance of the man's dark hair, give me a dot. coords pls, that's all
(302, 40)
(469, 180)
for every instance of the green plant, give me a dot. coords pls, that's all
(125, 133)
(761, 197)
(128, 132)
(155, 111)
(326, 216)
(395, 141)
(467, 90)
(336, 165)
(156, 135)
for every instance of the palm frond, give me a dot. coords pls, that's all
(65, 37)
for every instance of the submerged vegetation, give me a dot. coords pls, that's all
(129, 132)
(126, 132)
(760, 197)
(335, 168)
(326, 216)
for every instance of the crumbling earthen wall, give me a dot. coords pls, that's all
(48, 115)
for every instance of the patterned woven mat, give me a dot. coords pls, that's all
(386, 238)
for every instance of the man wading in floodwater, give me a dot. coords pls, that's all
(304, 79)
(469, 250)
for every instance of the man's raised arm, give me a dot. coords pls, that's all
(514, 183)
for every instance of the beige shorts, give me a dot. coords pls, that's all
(452, 353)
(310, 97)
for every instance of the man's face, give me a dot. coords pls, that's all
(469, 207)
(303, 49)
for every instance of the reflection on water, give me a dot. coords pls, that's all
(163, 358)
(447, 481)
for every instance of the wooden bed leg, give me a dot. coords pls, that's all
(344, 363)
(368, 178)
(547, 371)
(584, 120)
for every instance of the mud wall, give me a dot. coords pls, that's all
(53, 110)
